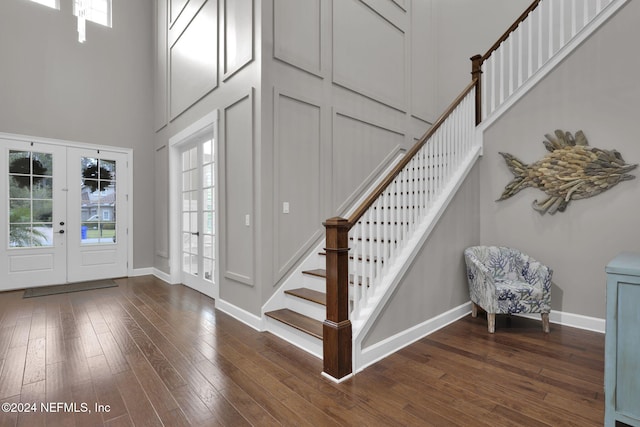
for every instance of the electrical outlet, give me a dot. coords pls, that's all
(285, 207)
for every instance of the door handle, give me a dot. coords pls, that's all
(197, 233)
(61, 231)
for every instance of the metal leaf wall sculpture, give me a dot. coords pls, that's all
(572, 170)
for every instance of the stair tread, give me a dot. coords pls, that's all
(309, 295)
(299, 321)
(320, 272)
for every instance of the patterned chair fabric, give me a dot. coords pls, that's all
(505, 281)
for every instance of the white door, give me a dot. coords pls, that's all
(33, 191)
(66, 215)
(97, 208)
(198, 215)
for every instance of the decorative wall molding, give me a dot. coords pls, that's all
(291, 20)
(238, 189)
(286, 131)
(193, 60)
(175, 10)
(237, 36)
(368, 176)
(369, 62)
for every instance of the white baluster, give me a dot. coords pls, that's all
(493, 82)
(368, 261)
(412, 194)
(585, 15)
(484, 93)
(561, 42)
(405, 202)
(354, 267)
(380, 235)
(574, 18)
(539, 14)
(511, 64)
(550, 29)
(530, 44)
(385, 224)
(392, 218)
(502, 73)
(520, 54)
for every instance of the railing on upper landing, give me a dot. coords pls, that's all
(538, 36)
(363, 248)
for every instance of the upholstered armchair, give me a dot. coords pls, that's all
(505, 281)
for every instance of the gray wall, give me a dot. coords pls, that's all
(596, 89)
(347, 85)
(98, 92)
(436, 281)
(208, 58)
(338, 88)
(465, 28)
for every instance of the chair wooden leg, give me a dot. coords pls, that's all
(545, 323)
(474, 309)
(491, 319)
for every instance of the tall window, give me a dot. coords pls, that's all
(54, 4)
(98, 11)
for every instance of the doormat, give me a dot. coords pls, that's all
(71, 287)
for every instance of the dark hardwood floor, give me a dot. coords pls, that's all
(162, 355)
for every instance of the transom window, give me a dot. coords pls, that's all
(54, 4)
(98, 11)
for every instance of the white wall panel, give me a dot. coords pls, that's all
(368, 53)
(194, 60)
(238, 182)
(297, 33)
(297, 176)
(423, 61)
(161, 69)
(238, 35)
(361, 150)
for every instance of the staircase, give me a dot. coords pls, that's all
(328, 304)
(304, 310)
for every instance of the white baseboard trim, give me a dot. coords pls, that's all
(244, 316)
(162, 276)
(335, 380)
(572, 320)
(379, 351)
(136, 272)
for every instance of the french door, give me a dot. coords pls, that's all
(66, 214)
(198, 171)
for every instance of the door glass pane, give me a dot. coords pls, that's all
(198, 216)
(98, 201)
(30, 199)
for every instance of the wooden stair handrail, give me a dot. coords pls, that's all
(364, 206)
(511, 29)
(337, 328)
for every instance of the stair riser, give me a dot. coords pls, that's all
(294, 336)
(308, 308)
(314, 282)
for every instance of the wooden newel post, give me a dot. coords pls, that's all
(476, 71)
(337, 327)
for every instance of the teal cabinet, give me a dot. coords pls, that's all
(622, 341)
